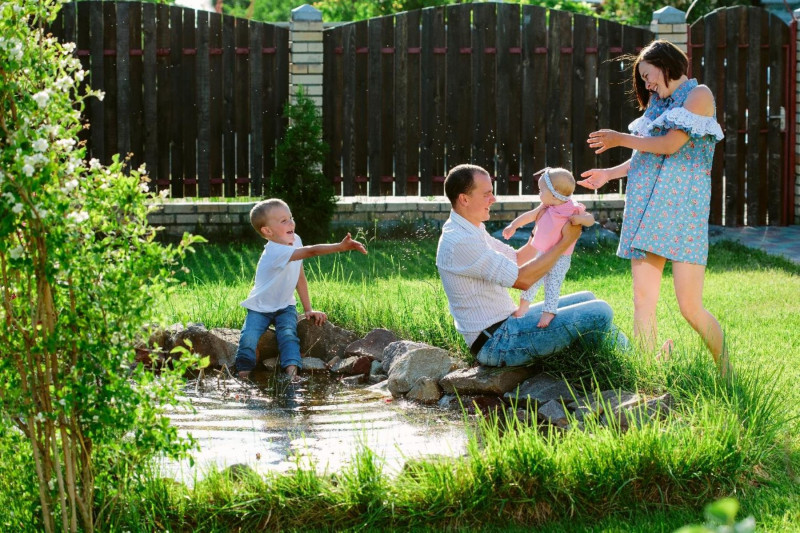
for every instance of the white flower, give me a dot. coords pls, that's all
(79, 216)
(65, 144)
(28, 170)
(16, 253)
(163, 193)
(42, 213)
(94, 163)
(42, 97)
(101, 95)
(16, 52)
(40, 145)
(63, 83)
(79, 75)
(143, 187)
(68, 48)
(70, 186)
(17, 209)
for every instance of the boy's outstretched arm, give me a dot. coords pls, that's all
(314, 250)
(318, 317)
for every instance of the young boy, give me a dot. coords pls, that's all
(278, 274)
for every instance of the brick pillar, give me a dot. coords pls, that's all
(305, 53)
(796, 218)
(670, 25)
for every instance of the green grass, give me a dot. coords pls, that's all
(737, 439)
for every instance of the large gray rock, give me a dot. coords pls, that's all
(323, 342)
(425, 390)
(485, 380)
(553, 412)
(396, 349)
(541, 389)
(312, 364)
(417, 363)
(212, 344)
(372, 344)
(607, 401)
(352, 366)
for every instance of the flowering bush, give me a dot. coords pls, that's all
(79, 272)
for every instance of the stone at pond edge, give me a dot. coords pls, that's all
(553, 412)
(396, 349)
(541, 389)
(215, 345)
(352, 366)
(425, 390)
(485, 380)
(373, 344)
(417, 363)
(313, 364)
(323, 342)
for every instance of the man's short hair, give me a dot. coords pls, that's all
(461, 180)
(259, 214)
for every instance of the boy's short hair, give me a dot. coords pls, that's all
(260, 212)
(461, 180)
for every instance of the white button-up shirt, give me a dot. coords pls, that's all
(475, 269)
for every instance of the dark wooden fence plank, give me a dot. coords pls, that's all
(271, 112)
(163, 98)
(281, 80)
(439, 43)
(503, 106)
(559, 71)
(216, 103)
(432, 99)
(348, 109)
(387, 106)
(121, 16)
(331, 92)
(514, 95)
(110, 81)
(242, 106)
(254, 60)
(579, 94)
(136, 86)
(229, 105)
(484, 70)
(534, 84)
(619, 83)
(458, 129)
(203, 114)
(776, 136)
(400, 68)
(83, 40)
(149, 94)
(374, 104)
(176, 97)
(362, 103)
(69, 32)
(413, 95)
(604, 67)
(756, 118)
(96, 107)
(189, 102)
(736, 34)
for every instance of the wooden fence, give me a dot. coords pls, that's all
(197, 96)
(511, 88)
(746, 57)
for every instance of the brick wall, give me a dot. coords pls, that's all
(219, 221)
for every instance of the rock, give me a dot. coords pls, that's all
(523, 416)
(425, 390)
(381, 388)
(374, 379)
(396, 349)
(553, 412)
(352, 366)
(323, 342)
(239, 471)
(541, 389)
(312, 364)
(485, 380)
(271, 364)
(471, 404)
(207, 344)
(333, 362)
(372, 344)
(606, 401)
(417, 363)
(376, 369)
(267, 347)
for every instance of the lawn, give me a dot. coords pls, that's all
(739, 440)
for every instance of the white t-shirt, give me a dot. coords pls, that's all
(276, 278)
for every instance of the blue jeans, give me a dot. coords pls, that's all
(580, 315)
(255, 324)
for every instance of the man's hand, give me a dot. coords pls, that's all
(571, 232)
(317, 317)
(348, 244)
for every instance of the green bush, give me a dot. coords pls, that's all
(298, 179)
(79, 273)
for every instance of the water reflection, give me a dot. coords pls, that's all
(270, 425)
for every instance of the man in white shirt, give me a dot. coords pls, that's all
(476, 270)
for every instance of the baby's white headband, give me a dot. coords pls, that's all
(552, 189)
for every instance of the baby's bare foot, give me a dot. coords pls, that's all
(545, 319)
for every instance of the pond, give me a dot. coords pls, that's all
(272, 425)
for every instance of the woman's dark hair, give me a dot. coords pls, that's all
(663, 55)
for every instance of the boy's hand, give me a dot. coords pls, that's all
(317, 317)
(349, 244)
(509, 231)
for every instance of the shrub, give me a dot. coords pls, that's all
(79, 272)
(298, 179)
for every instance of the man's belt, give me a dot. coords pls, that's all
(484, 336)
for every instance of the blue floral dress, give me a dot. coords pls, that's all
(668, 196)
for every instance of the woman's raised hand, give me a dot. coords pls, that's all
(595, 178)
(602, 140)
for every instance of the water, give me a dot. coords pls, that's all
(274, 426)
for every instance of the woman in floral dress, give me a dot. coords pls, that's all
(668, 191)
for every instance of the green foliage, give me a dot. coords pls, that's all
(298, 179)
(641, 11)
(261, 10)
(79, 272)
(721, 518)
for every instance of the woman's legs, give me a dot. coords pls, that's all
(646, 288)
(689, 280)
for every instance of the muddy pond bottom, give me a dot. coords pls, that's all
(272, 425)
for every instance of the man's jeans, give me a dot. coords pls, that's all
(255, 324)
(580, 315)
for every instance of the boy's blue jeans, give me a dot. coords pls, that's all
(256, 323)
(519, 341)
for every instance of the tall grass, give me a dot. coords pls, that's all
(722, 438)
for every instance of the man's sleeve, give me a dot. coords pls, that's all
(478, 262)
